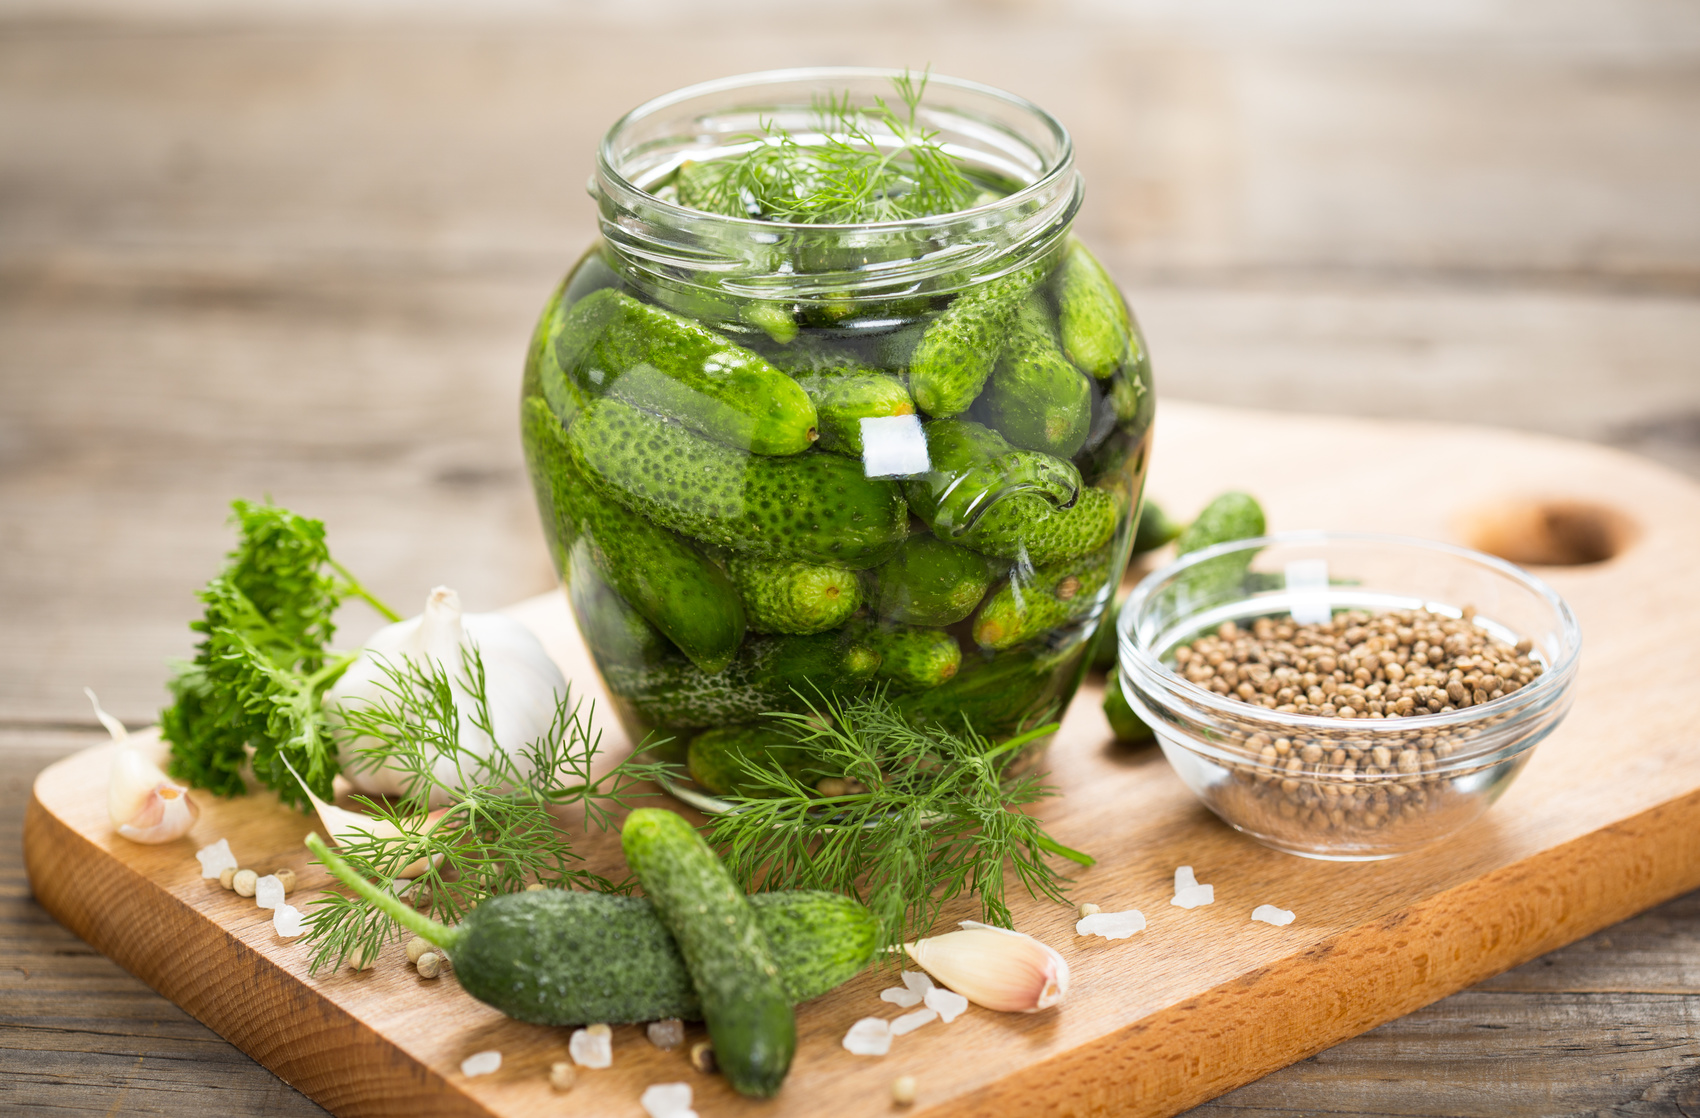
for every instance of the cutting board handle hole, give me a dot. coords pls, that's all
(1550, 532)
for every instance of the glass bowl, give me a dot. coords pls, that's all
(1344, 789)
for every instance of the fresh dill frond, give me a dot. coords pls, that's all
(861, 164)
(941, 817)
(263, 663)
(498, 832)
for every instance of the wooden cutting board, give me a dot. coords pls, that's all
(1604, 822)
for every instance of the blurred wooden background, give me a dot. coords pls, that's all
(295, 248)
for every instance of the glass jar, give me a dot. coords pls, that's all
(780, 461)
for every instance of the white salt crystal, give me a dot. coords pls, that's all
(871, 1036)
(949, 1004)
(286, 921)
(667, 1100)
(592, 1047)
(1184, 878)
(268, 891)
(1269, 914)
(918, 980)
(1193, 896)
(894, 445)
(481, 1063)
(900, 996)
(909, 1022)
(1111, 925)
(217, 858)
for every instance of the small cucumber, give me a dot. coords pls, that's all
(731, 962)
(1036, 399)
(1155, 529)
(1096, 328)
(554, 957)
(613, 345)
(1231, 516)
(616, 633)
(1052, 595)
(720, 759)
(928, 582)
(787, 596)
(1030, 527)
(1126, 725)
(770, 674)
(998, 695)
(845, 392)
(959, 347)
(680, 590)
(815, 507)
(914, 658)
(973, 469)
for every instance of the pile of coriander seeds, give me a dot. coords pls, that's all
(1356, 667)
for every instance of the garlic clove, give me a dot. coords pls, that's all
(341, 824)
(994, 967)
(143, 803)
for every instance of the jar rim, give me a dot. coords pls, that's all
(609, 175)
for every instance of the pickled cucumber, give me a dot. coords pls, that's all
(786, 596)
(612, 345)
(675, 586)
(1025, 526)
(974, 469)
(845, 392)
(996, 695)
(721, 759)
(781, 673)
(914, 658)
(928, 582)
(959, 347)
(1036, 399)
(615, 631)
(1092, 316)
(816, 507)
(1053, 595)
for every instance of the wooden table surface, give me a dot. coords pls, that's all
(295, 249)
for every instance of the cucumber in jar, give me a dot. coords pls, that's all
(1031, 604)
(612, 345)
(672, 584)
(1096, 329)
(845, 391)
(816, 507)
(788, 596)
(913, 658)
(958, 349)
(1036, 398)
(973, 468)
(928, 582)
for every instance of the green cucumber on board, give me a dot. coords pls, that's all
(1124, 724)
(816, 507)
(730, 959)
(561, 957)
(613, 345)
(1231, 516)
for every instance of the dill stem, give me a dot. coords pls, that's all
(1052, 846)
(408, 917)
(1020, 740)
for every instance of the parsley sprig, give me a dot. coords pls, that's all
(862, 164)
(941, 817)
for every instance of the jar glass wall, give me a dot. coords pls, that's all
(780, 460)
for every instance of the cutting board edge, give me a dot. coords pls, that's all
(1175, 1058)
(1179, 1057)
(356, 1073)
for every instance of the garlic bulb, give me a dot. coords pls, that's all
(143, 803)
(994, 967)
(522, 685)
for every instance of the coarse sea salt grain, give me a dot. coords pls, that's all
(1111, 925)
(948, 1003)
(909, 1022)
(1184, 878)
(918, 980)
(1193, 896)
(667, 1100)
(592, 1047)
(217, 858)
(1269, 914)
(286, 921)
(871, 1036)
(268, 891)
(901, 996)
(481, 1063)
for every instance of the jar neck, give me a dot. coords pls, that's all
(657, 245)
